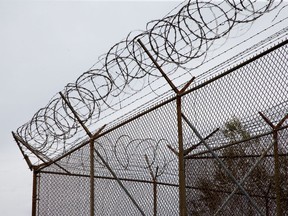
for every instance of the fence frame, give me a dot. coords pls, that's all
(181, 153)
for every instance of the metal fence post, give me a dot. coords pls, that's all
(277, 174)
(154, 179)
(92, 139)
(34, 194)
(181, 152)
(276, 160)
(182, 186)
(92, 187)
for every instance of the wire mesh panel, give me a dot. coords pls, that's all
(138, 154)
(216, 144)
(134, 165)
(135, 168)
(257, 86)
(246, 142)
(62, 195)
(210, 186)
(136, 162)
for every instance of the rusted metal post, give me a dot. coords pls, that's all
(277, 174)
(30, 165)
(276, 160)
(158, 67)
(181, 163)
(75, 115)
(155, 197)
(38, 154)
(92, 139)
(92, 186)
(154, 179)
(34, 194)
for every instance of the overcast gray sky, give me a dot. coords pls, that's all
(43, 46)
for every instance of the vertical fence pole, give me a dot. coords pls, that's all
(182, 188)
(34, 194)
(182, 184)
(92, 150)
(154, 179)
(277, 174)
(155, 197)
(92, 189)
(276, 160)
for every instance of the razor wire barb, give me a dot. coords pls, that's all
(175, 41)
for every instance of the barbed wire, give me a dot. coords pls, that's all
(174, 41)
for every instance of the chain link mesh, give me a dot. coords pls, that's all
(232, 104)
(142, 153)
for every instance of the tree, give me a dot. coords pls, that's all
(214, 187)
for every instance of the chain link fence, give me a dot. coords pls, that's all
(240, 115)
(245, 106)
(211, 145)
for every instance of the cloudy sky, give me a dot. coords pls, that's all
(43, 46)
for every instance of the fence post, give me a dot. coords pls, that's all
(181, 152)
(92, 151)
(277, 174)
(154, 179)
(276, 160)
(155, 197)
(182, 186)
(34, 194)
(92, 187)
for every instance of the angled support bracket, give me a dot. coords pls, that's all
(38, 154)
(30, 165)
(264, 153)
(228, 172)
(187, 151)
(180, 153)
(173, 150)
